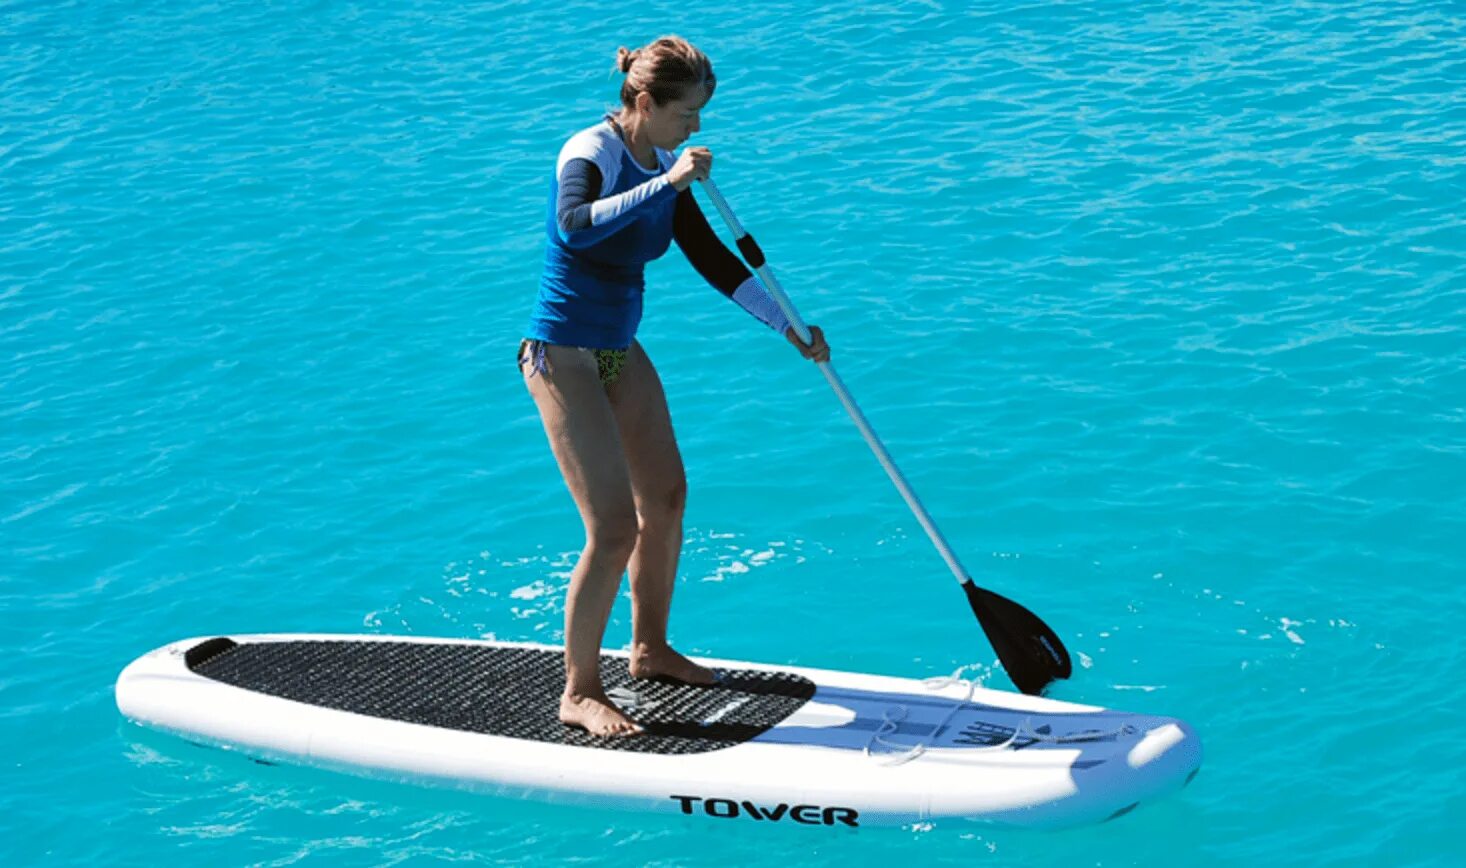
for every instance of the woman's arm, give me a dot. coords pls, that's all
(718, 266)
(582, 219)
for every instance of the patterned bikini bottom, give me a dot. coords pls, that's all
(608, 362)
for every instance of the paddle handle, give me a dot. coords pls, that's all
(755, 258)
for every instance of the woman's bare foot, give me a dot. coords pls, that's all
(649, 661)
(596, 715)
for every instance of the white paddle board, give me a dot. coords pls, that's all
(766, 745)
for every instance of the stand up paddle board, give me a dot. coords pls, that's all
(765, 745)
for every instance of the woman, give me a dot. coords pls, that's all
(619, 199)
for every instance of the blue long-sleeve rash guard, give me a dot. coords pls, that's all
(608, 217)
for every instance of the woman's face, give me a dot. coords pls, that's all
(668, 126)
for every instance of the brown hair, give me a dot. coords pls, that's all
(667, 69)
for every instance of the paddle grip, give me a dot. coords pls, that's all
(752, 253)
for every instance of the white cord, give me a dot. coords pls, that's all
(892, 717)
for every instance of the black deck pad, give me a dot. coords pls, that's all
(513, 692)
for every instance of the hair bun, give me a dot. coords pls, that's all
(673, 69)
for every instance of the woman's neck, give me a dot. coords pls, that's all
(641, 149)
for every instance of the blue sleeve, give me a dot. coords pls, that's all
(582, 219)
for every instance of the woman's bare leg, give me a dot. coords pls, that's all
(659, 487)
(583, 435)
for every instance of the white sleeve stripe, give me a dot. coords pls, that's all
(605, 210)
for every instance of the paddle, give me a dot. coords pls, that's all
(1028, 649)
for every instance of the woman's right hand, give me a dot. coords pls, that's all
(693, 164)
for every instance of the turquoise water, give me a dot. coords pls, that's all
(1159, 306)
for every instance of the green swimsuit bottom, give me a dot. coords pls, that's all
(608, 362)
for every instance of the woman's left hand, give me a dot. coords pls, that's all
(816, 350)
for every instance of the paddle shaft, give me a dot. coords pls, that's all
(755, 258)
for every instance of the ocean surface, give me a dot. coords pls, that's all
(1160, 306)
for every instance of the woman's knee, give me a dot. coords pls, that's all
(666, 505)
(614, 534)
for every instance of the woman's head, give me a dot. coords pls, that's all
(667, 84)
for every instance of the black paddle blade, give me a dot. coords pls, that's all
(1028, 649)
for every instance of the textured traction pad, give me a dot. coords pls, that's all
(512, 692)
